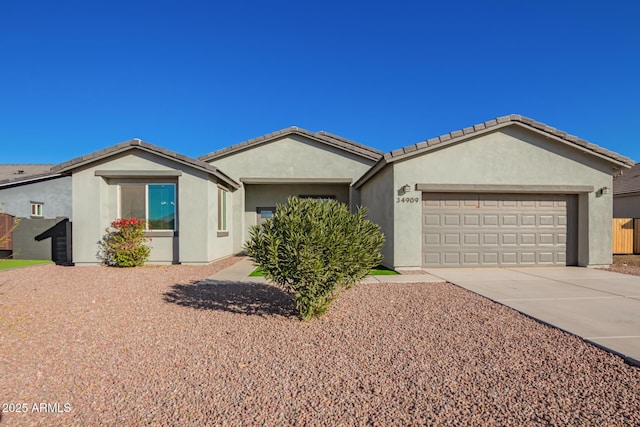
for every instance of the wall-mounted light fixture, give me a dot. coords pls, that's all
(406, 188)
(605, 190)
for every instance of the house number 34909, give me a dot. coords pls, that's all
(407, 199)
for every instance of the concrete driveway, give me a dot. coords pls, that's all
(600, 306)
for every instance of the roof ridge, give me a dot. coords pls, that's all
(341, 143)
(251, 141)
(138, 143)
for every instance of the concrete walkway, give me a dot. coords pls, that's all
(239, 272)
(599, 306)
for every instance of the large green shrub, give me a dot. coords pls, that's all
(125, 245)
(315, 248)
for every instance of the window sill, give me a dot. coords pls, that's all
(223, 233)
(160, 233)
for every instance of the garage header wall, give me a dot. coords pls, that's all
(509, 156)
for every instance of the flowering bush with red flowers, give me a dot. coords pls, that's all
(125, 245)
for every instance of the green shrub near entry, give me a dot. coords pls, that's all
(313, 249)
(125, 245)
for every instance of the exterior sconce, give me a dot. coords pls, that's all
(406, 188)
(605, 190)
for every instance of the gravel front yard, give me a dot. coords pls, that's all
(149, 346)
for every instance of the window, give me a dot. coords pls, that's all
(264, 214)
(323, 198)
(36, 209)
(222, 209)
(155, 203)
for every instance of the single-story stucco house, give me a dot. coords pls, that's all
(626, 193)
(509, 191)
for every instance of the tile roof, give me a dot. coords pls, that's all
(17, 171)
(628, 181)
(145, 146)
(22, 179)
(323, 137)
(489, 126)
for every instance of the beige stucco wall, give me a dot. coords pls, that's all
(510, 156)
(626, 206)
(377, 195)
(293, 157)
(289, 158)
(220, 243)
(95, 206)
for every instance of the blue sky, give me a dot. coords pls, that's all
(195, 76)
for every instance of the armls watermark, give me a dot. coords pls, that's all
(39, 407)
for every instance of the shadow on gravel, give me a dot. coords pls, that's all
(236, 297)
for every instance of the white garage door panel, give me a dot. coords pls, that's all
(494, 229)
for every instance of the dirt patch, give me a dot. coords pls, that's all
(154, 346)
(627, 264)
(633, 260)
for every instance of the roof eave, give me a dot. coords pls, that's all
(627, 193)
(29, 180)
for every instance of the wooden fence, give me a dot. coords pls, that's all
(626, 235)
(6, 235)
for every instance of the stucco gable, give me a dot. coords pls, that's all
(322, 137)
(137, 144)
(462, 135)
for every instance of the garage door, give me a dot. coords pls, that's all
(472, 230)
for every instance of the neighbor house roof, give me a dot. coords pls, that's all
(23, 180)
(13, 175)
(491, 126)
(137, 144)
(628, 181)
(17, 171)
(322, 137)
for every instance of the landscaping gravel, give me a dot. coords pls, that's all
(152, 346)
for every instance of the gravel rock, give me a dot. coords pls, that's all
(153, 346)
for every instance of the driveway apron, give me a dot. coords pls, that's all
(600, 306)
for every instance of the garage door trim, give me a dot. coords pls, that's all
(508, 229)
(497, 188)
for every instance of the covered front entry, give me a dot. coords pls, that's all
(261, 196)
(476, 229)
